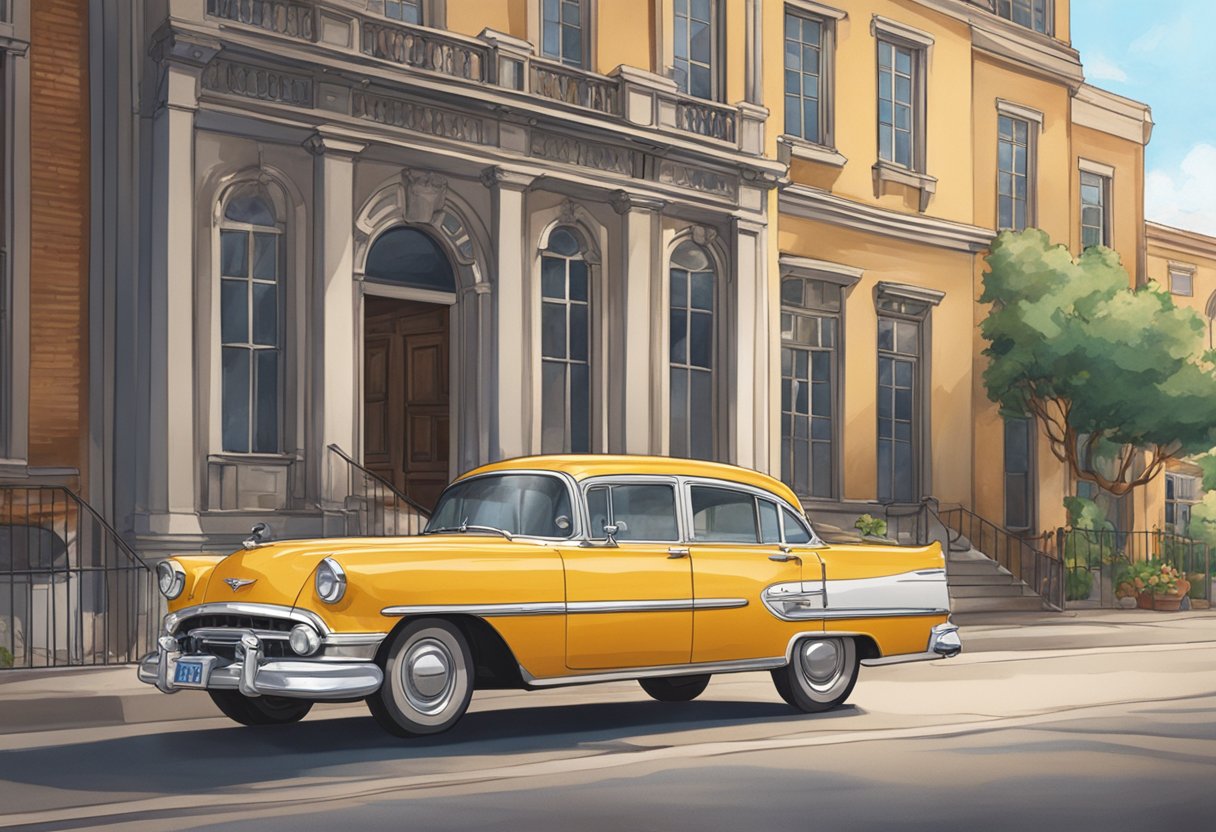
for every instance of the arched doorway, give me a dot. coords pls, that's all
(409, 289)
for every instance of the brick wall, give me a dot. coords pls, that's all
(59, 218)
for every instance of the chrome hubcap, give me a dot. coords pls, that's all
(429, 676)
(821, 662)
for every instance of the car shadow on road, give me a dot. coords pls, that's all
(220, 757)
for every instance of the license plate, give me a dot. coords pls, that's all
(188, 673)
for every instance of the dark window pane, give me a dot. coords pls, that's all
(904, 474)
(579, 337)
(679, 412)
(770, 524)
(580, 409)
(234, 253)
(572, 45)
(553, 407)
(597, 511)
(701, 340)
(563, 241)
(906, 338)
(578, 280)
(250, 209)
(796, 531)
(679, 336)
(553, 277)
(886, 334)
(235, 403)
(700, 82)
(701, 408)
(265, 256)
(553, 330)
(702, 290)
(679, 288)
(645, 512)
(266, 426)
(791, 291)
(266, 314)
(410, 257)
(722, 514)
(821, 469)
(234, 311)
(885, 485)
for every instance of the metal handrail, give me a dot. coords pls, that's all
(416, 506)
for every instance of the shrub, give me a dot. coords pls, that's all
(871, 526)
(1078, 584)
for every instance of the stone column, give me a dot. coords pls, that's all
(334, 348)
(629, 429)
(511, 377)
(751, 376)
(173, 457)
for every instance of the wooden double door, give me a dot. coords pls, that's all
(406, 403)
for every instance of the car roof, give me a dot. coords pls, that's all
(584, 466)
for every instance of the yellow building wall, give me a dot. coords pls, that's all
(625, 34)
(1127, 192)
(949, 368)
(469, 17)
(948, 94)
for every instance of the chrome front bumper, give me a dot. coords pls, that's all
(254, 675)
(944, 643)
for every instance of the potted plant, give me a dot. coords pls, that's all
(873, 529)
(1155, 585)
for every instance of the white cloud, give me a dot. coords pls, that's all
(1186, 196)
(1098, 67)
(1151, 40)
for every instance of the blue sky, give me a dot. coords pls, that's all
(1161, 53)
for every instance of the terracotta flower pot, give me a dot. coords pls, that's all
(1167, 603)
(1144, 601)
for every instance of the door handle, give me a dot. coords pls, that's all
(676, 552)
(784, 558)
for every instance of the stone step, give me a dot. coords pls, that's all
(1024, 603)
(984, 579)
(990, 591)
(975, 567)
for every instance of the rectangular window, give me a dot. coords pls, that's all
(696, 47)
(1095, 206)
(565, 353)
(639, 512)
(407, 11)
(1033, 14)
(1019, 439)
(1014, 172)
(724, 515)
(810, 322)
(806, 46)
(564, 31)
(898, 127)
(1182, 282)
(898, 381)
(1181, 493)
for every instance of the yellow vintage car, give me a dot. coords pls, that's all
(547, 571)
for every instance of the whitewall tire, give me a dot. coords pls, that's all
(428, 679)
(820, 675)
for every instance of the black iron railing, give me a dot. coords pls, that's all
(376, 507)
(1102, 564)
(1042, 571)
(72, 592)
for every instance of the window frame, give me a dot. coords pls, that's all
(900, 36)
(1183, 270)
(612, 480)
(1174, 501)
(717, 52)
(1049, 15)
(1106, 179)
(578, 522)
(1028, 201)
(282, 335)
(826, 75)
(421, 5)
(1030, 474)
(583, 255)
(715, 350)
(586, 35)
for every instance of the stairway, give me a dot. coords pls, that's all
(979, 584)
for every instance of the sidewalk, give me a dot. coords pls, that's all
(49, 699)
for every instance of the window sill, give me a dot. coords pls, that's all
(885, 172)
(793, 147)
(252, 459)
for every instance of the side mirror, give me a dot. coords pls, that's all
(562, 522)
(258, 535)
(611, 529)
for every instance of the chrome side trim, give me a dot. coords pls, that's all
(174, 619)
(944, 643)
(739, 666)
(863, 612)
(571, 608)
(487, 610)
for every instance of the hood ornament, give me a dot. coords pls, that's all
(258, 535)
(237, 583)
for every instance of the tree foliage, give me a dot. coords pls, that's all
(1116, 376)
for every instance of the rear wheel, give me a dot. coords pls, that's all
(675, 688)
(428, 680)
(260, 710)
(820, 675)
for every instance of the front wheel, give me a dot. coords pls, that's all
(675, 688)
(428, 680)
(820, 675)
(260, 710)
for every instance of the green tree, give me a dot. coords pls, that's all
(1115, 375)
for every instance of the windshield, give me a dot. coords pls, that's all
(527, 504)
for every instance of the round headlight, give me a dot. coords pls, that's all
(304, 640)
(331, 581)
(170, 578)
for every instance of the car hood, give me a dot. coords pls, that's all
(278, 573)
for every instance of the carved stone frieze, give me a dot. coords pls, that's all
(572, 151)
(421, 118)
(698, 179)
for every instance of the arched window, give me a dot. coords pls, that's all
(692, 352)
(411, 258)
(251, 278)
(565, 345)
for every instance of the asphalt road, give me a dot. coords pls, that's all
(1118, 736)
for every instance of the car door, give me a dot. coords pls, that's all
(629, 604)
(737, 555)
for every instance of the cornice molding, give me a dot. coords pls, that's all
(811, 203)
(1180, 239)
(1099, 109)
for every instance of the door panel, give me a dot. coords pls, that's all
(426, 405)
(724, 571)
(379, 406)
(614, 577)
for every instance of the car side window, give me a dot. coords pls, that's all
(723, 514)
(770, 525)
(796, 532)
(639, 511)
